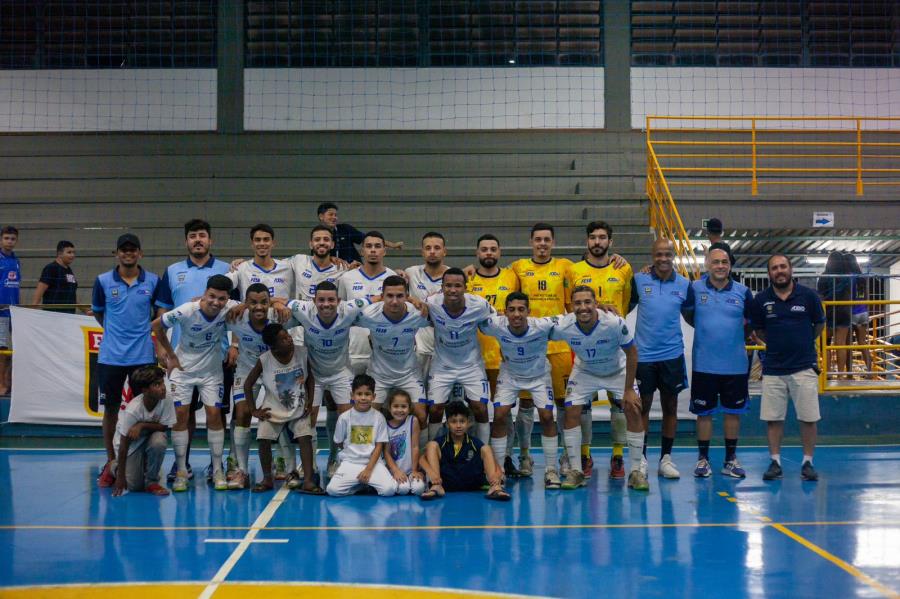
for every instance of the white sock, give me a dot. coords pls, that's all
(806, 458)
(524, 426)
(434, 429)
(776, 457)
(618, 425)
(573, 446)
(483, 431)
(511, 436)
(498, 446)
(635, 449)
(551, 449)
(242, 447)
(180, 444)
(330, 423)
(587, 424)
(287, 452)
(216, 441)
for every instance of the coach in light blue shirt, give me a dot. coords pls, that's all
(660, 296)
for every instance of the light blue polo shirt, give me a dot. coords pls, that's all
(719, 319)
(183, 281)
(659, 303)
(127, 313)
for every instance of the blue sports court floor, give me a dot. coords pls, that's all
(689, 538)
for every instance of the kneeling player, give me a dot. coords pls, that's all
(606, 359)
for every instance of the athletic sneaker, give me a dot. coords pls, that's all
(170, 477)
(219, 481)
(587, 466)
(564, 463)
(526, 466)
(209, 473)
(551, 479)
(807, 472)
(734, 469)
(293, 481)
(509, 468)
(238, 480)
(181, 482)
(667, 469)
(106, 478)
(617, 467)
(280, 470)
(157, 489)
(702, 469)
(230, 466)
(774, 472)
(637, 480)
(573, 479)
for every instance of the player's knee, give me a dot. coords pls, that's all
(405, 487)
(158, 441)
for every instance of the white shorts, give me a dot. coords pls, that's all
(583, 387)
(802, 387)
(5, 332)
(508, 388)
(237, 389)
(338, 384)
(474, 383)
(412, 384)
(181, 389)
(270, 431)
(345, 481)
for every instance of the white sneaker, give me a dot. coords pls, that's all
(551, 479)
(667, 469)
(180, 484)
(219, 481)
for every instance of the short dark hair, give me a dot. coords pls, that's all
(62, 245)
(326, 286)
(457, 408)
(145, 376)
(581, 288)
(196, 224)
(363, 380)
(257, 288)
(542, 227)
(219, 283)
(325, 207)
(395, 281)
(517, 296)
(454, 271)
(776, 255)
(9, 230)
(487, 237)
(264, 228)
(599, 224)
(375, 234)
(318, 228)
(270, 333)
(433, 234)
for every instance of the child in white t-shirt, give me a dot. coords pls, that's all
(361, 434)
(402, 452)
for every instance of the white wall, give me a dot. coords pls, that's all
(423, 99)
(108, 100)
(700, 91)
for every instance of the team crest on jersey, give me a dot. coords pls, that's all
(114, 292)
(648, 290)
(625, 330)
(181, 276)
(704, 297)
(359, 303)
(12, 275)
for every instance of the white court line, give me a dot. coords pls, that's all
(261, 521)
(243, 540)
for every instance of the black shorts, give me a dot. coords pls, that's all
(467, 478)
(669, 376)
(227, 384)
(837, 316)
(711, 393)
(110, 382)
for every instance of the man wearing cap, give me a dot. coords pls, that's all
(122, 303)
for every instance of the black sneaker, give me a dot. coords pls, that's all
(807, 472)
(774, 472)
(509, 468)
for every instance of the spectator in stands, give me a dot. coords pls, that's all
(834, 285)
(859, 314)
(58, 285)
(346, 236)
(10, 277)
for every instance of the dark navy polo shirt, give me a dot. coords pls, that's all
(345, 239)
(789, 324)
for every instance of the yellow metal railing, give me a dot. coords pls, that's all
(885, 373)
(760, 140)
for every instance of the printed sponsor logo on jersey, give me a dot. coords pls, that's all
(733, 301)
(529, 273)
(314, 330)
(602, 341)
(247, 339)
(409, 330)
(612, 280)
(553, 273)
(381, 330)
(339, 331)
(357, 286)
(254, 279)
(196, 328)
(503, 288)
(585, 281)
(279, 279)
(307, 274)
(676, 293)
(798, 308)
(143, 291)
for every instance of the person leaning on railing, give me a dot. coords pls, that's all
(835, 286)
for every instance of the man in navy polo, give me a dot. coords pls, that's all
(719, 379)
(185, 281)
(122, 303)
(660, 296)
(788, 318)
(10, 280)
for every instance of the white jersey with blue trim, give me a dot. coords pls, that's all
(327, 345)
(250, 343)
(456, 344)
(307, 275)
(525, 355)
(599, 351)
(357, 285)
(421, 287)
(199, 351)
(393, 343)
(279, 279)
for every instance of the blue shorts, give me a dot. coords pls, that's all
(726, 393)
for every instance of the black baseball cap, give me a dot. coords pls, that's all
(714, 225)
(128, 238)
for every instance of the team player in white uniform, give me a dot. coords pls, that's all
(425, 281)
(310, 270)
(197, 364)
(364, 283)
(524, 367)
(456, 315)
(605, 360)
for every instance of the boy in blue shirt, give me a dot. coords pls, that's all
(10, 278)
